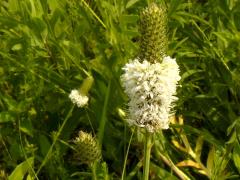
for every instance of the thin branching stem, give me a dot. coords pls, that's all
(46, 158)
(125, 160)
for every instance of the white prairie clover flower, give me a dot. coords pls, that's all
(151, 88)
(77, 98)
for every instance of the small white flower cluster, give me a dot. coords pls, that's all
(77, 98)
(151, 89)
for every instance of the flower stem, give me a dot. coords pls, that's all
(147, 154)
(125, 160)
(94, 175)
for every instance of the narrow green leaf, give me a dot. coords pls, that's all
(20, 171)
(44, 144)
(198, 148)
(210, 160)
(7, 116)
(189, 73)
(131, 3)
(26, 127)
(162, 173)
(129, 18)
(17, 47)
(236, 156)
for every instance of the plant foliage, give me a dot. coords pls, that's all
(49, 48)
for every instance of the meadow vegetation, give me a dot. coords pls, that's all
(50, 47)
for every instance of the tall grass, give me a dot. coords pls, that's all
(49, 47)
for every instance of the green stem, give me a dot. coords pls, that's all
(169, 162)
(147, 154)
(94, 14)
(94, 176)
(125, 160)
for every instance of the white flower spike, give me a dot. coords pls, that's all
(151, 88)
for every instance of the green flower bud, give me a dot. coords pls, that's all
(87, 149)
(86, 85)
(153, 29)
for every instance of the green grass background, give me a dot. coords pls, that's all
(48, 47)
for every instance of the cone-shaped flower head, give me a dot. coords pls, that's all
(153, 42)
(151, 89)
(87, 149)
(79, 97)
(150, 81)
